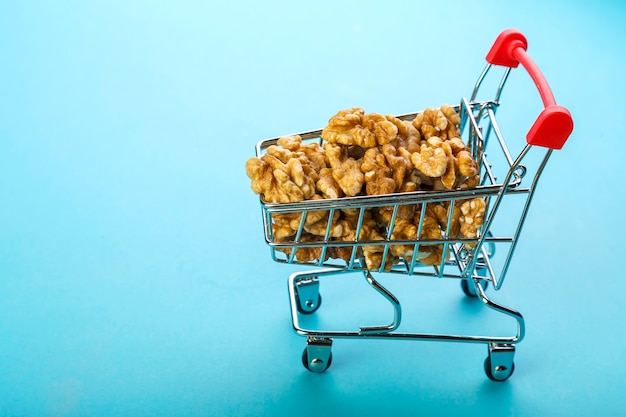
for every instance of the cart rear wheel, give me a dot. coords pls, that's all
(308, 307)
(502, 373)
(307, 294)
(468, 288)
(314, 364)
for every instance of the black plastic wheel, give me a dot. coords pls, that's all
(307, 365)
(490, 374)
(313, 310)
(465, 286)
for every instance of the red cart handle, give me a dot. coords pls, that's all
(554, 124)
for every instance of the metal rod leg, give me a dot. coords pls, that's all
(397, 311)
(521, 327)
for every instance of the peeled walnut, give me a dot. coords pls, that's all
(448, 178)
(314, 216)
(404, 229)
(303, 171)
(431, 160)
(354, 127)
(346, 171)
(276, 181)
(441, 212)
(320, 227)
(285, 225)
(343, 252)
(431, 122)
(456, 144)
(470, 182)
(398, 162)
(408, 136)
(375, 254)
(454, 120)
(327, 185)
(376, 173)
(287, 172)
(384, 130)
(305, 253)
(466, 165)
(430, 254)
(351, 215)
(446, 163)
(472, 217)
(369, 231)
(349, 218)
(441, 122)
(407, 211)
(282, 225)
(339, 127)
(312, 151)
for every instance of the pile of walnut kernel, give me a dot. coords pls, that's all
(371, 154)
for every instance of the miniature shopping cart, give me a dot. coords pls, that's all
(472, 261)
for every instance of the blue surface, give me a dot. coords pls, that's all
(134, 279)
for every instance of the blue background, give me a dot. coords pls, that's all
(134, 278)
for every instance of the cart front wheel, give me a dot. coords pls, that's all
(499, 365)
(500, 374)
(316, 365)
(317, 355)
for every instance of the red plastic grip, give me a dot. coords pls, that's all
(554, 124)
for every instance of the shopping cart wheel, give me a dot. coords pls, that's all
(308, 306)
(317, 355)
(499, 365)
(308, 298)
(469, 289)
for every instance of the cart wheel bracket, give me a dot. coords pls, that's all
(308, 294)
(499, 365)
(317, 355)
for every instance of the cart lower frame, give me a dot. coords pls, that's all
(305, 298)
